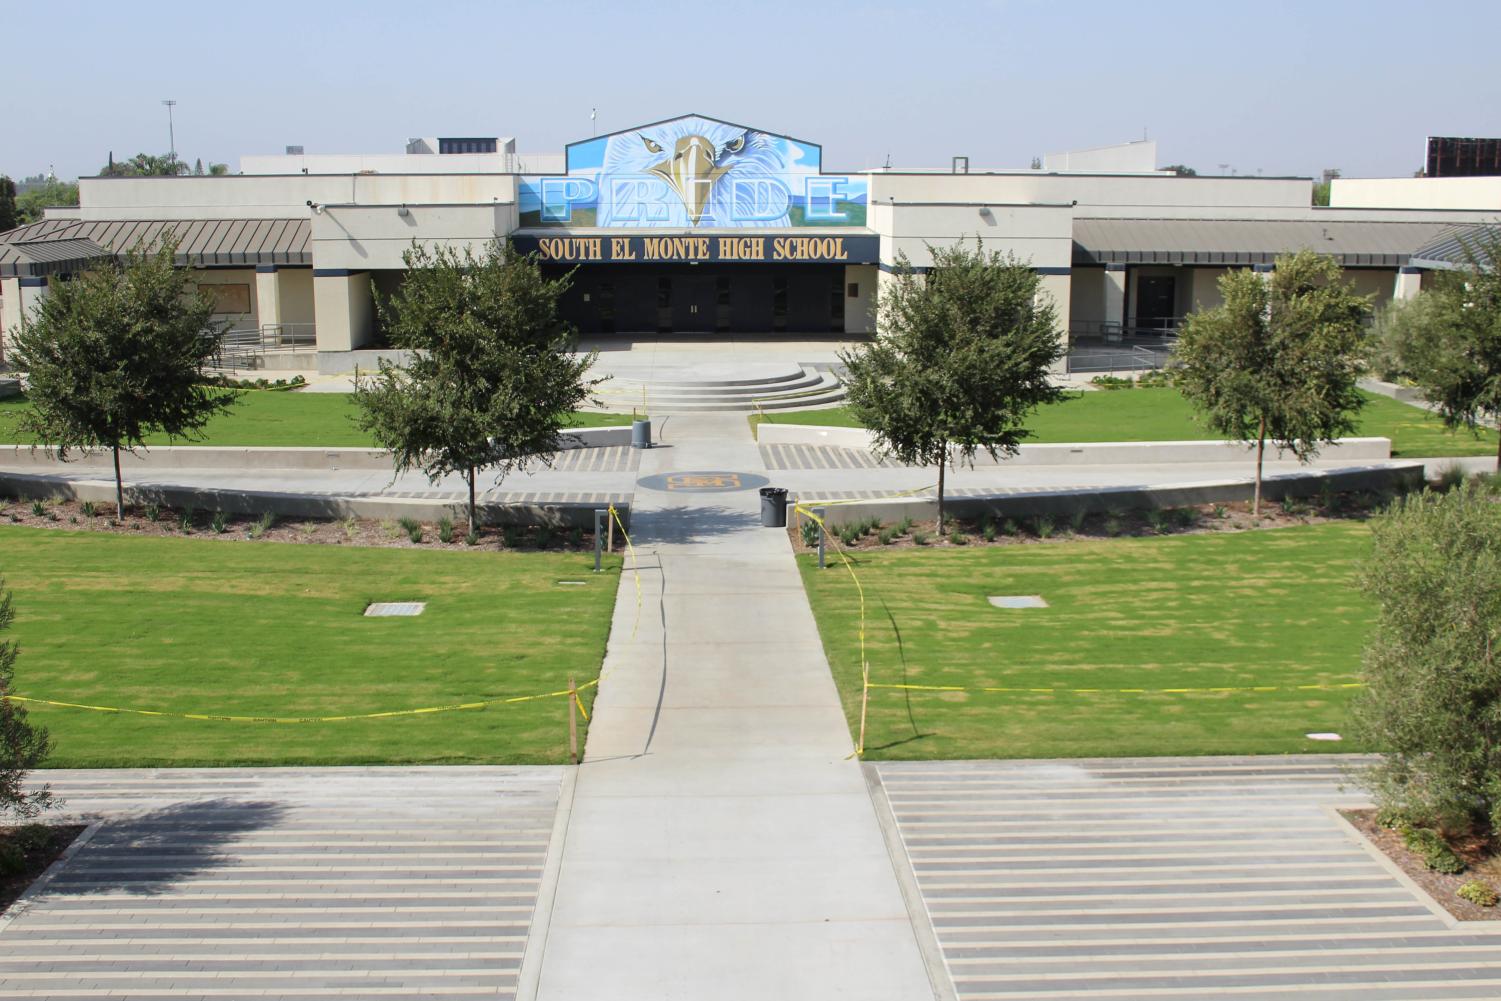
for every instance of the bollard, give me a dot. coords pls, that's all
(573, 722)
(599, 534)
(822, 513)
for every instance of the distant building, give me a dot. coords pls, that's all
(699, 226)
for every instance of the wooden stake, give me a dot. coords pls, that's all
(610, 532)
(573, 722)
(864, 704)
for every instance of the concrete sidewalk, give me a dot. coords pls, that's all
(722, 842)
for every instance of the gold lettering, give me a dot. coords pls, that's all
(620, 249)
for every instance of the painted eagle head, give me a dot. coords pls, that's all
(692, 156)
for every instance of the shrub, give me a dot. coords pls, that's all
(988, 531)
(471, 538)
(1158, 520)
(1185, 517)
(1294, 507)
(1076, 520)
(262, 525)
(958, 538)
(351, 526)
(1010, 527)
(576, 537)
(511, 537)
(1221, 512)
(904, 526)
(1154, 378)
(87, 507)
(808, 530)
(412, 527)
(886, 537)
(445, 529)
(153, 513)
(1114, 524)
(219, 522)
(1109, 382)
(1042, 525)
(544, 537)
(920, 538)
(1433, 682)
(1449, 478)
(39, 508)
(1430, 846)
(1479, 893)
(185, 520)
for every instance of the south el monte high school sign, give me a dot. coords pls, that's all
(694, 173)
(658, 249)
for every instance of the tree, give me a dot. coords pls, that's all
(145, 165)
(492, 377)
(218, 169)
(22, 745)
(10, 213)
(1181, 170)
(118, 353)
(1432, 665)
(1447, 339)
(1279, 359)
(962, 355)
(35, 199)
(198, 167)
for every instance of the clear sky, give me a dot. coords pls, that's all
(1276, 86)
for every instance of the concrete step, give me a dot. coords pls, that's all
(798, 389)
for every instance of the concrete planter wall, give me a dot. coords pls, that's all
(1085, 453)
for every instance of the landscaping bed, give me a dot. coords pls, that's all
(1479, 855)
(26, 852)
(158, 520)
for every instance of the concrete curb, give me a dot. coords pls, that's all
(1097, 499)
(246, 457)
(1082, 453)
(295, 505)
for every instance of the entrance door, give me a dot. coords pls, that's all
(693, 304)
(1156, 302)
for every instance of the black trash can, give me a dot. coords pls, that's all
(773, 507)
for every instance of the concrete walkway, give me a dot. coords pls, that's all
(722, 843)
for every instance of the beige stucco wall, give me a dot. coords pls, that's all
(282, 196)
(296, 285)
(375, 236)
(1380, 283)
(1101, 195)
(345, 311)
(1480, 193)
(860, 311)
(1039, 235)
(1086, 306)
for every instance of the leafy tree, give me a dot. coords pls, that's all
(117, 354)
(145, 165)
(1181, 170)
(37, 197)
(1432, 701)
(198, 167)
(962, 355)
(218, 169)
(22, 745)
(1447, 339)
(10, 214)
(1321, 193)
(492, 377)
(1279, 359)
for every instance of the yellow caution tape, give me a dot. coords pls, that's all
(1126, 691)
(800, 510)
(635, 567)
(425, 710)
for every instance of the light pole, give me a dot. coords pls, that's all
(171, 133)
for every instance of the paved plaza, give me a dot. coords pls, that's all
(720, 840)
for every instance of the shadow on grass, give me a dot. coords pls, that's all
(151, 852)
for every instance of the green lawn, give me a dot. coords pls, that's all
(1270, 607)
(238, 628)
(264, 418)
(1164, 415)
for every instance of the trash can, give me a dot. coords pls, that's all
(773, 507)
(641, 433)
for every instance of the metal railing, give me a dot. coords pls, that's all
(247, 347)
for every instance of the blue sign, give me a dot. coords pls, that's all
(693, 172)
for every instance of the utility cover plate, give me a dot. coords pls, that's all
(395, 608)
(1018, 601)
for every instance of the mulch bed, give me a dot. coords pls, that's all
(145, 520)
(1192, 519)
(36, 854)
(1442, 887)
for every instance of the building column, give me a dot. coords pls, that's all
(343, 309)
(1409, 283)
(1058, 283)
(1115, 294)
(267, 295)
(21, 297)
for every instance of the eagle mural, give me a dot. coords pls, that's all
(691, 172)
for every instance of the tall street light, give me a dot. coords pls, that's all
(171, 133)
